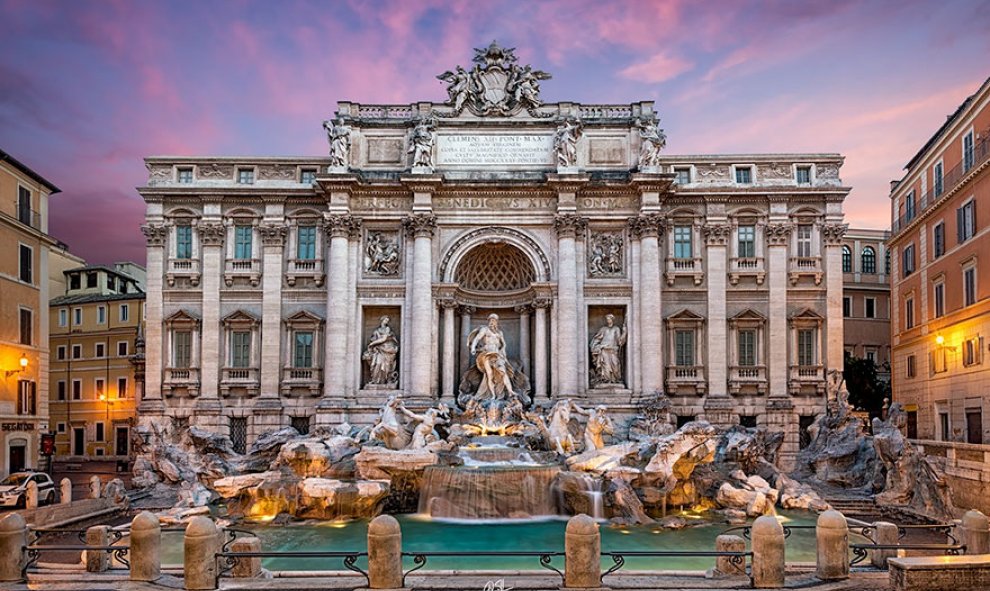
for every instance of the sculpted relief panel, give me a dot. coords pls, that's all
(381, 253)
(605, 254)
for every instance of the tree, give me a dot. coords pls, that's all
(866, 389)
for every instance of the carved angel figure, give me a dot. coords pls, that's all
(526, 86)
(565, 142)
(654, 140)
(458, 87)
(421, 146)
(339, 136)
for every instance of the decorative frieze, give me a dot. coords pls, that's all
(277, 172)
(155, 234)
(832, 233)
(273, 234)
(605, 254)
(215, 171)
(420, 224)
(569, 224)
(778, 234)
(211, 234)
(340, 225)
(716, 234)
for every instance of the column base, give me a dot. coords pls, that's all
(154, 407)
(721, 411)
(330, 411)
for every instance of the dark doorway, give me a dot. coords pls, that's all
(17, 458)
(748, 421)
(684, 420)
(974, 426)
(912, 424)
(120, 448)
(78, 441)
(804, 437)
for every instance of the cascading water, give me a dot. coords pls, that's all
(593, 488)
(494, 491)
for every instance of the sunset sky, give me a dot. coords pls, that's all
(87, 89)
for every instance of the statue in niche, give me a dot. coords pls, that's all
(421, 144)
(654, 140)
(425, 431)
(606, 255)
(605, 346)
(382, 254)
(381, 353)
(339, 136)
(389, 428)
(488, 345)
(599, 425)
(565, 142)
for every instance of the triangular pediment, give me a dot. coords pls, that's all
(182, 316)
(807, 314)
(686, 315)
(749, 314)
(241, 316)
(303, 317)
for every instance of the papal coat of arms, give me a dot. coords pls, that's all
(495, 85)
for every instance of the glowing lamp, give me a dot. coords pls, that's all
(939, 340)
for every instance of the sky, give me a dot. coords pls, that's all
(90, 88)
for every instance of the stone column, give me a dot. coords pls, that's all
(146, 547)
(97, 561)
(449, 378)
(832, 234)
(464, 358)
(832, 536)
(200, 546)
(540, 305)
(768, 553)
(338, 228)
(975, 532)
(211, 237)
(582, 553)
(268, 406)
(13, 540)
(31, 496)
(94, 487)
(151, 403)
(725, 565)
(524, 338)
(568, 227)
(649, 228)
(885, 534)
(246, 568)
(384, 553)
(65, 490)
(421, 227)
(778, 238)
(718, 405)
(352, 362)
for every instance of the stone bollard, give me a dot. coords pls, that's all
(98, 561)
(146, 548)
(384, 553)
(724, 564)
(246, 568)
(832, 536)
(31, 496)
(768, 553)
(582, 553)
(13, 540)
(200, 549)
(66, 491)
(94, 487)
(974, 532)
(885, 533)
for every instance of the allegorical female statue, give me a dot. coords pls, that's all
(488, 345)
(605, 345)
(339, 137)
(383, 348)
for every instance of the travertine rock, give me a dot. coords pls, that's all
(378, 463)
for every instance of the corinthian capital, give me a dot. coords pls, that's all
(778, 234)
(420, 224)
(155, 234)
(569, 224)
(211, 234)
(716, 234)
(832, 233)
(647, 224)
(273, 234)
(340, 225)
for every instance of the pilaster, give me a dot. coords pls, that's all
(151, 404)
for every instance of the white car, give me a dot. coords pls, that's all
(13, 489)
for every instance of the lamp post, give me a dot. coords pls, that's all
(23, 362)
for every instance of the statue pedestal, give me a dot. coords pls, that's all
(608, 393)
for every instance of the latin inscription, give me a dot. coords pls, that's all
(494, 203)
(494, 150)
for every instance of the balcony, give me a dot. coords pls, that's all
(746, 267)
(302, 378)
(684, 268)
(181, 378)
(182, 269)
(748, 377)
(805, 266)
(27, 216)
(807, 379)
(686, 378)
(311, 269)
(249, 269)
(243, 378)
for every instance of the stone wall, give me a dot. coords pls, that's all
(66, 513)
(967, 471)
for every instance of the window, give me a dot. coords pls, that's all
(908, 262)
(125, 312)
(99, 431)
(99, 386)
(240, 349)
(886, 263)
(306, 243)
(100, 350)
(847, 259)
(121, 348)
(870, 308)
(804, 240)
(60, 427)
(939, 293)
(871, 356)
(868, 260)
(747, 347)
(60, 353)
(943, 422)
(26, 264)
(744, 175)
(300, 424)
(77, 351)
(909, 313)
(683, 176)
(972, 351)
(27, 324)
(747, 241)
(61, 390)
(909, 207)
(682, 242)
(245, 176)
(938, 360)
(684, 348)
(307, 176)
(27, 397)
(969, 286)
(24, 206)
(185, 175)
(803, 174)
(181, 348)
(101, 314)
(76, 389)
(911, 370)
(967, 151)
(111, 283)
(63, 317)
(938, 240)
(242, 242)
(966, 221)
(74, 281)
(91, 279)
(303, 356)
(938, 179)
(238, 434)
(121, 387)
(806, 346)
(183, 242)
(847, 305)
(76, 316)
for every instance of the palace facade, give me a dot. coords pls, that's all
(304, 291)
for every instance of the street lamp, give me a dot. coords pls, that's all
(23, 365)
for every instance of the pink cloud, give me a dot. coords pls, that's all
(659, 68)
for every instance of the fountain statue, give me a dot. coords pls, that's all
(389, 427)
(381, 353)
(605, 345)
(599, 424)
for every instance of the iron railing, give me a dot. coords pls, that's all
(33, 553)
(619, 558)
(420, 558)
(861, 551)
(226, 560)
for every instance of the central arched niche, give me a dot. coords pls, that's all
(494, 267)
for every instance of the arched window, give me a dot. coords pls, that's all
(847, 259)
(869, 260)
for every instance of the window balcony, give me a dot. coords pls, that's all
(302, 378)
(807, 377)
(244, 268)
(684, 268)
(307, 268)
(181, 378)
(182, 269)
(686, 377)
(805, 266)
(27, 216)
(747, 377)
(746, 267)
(246, 378)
